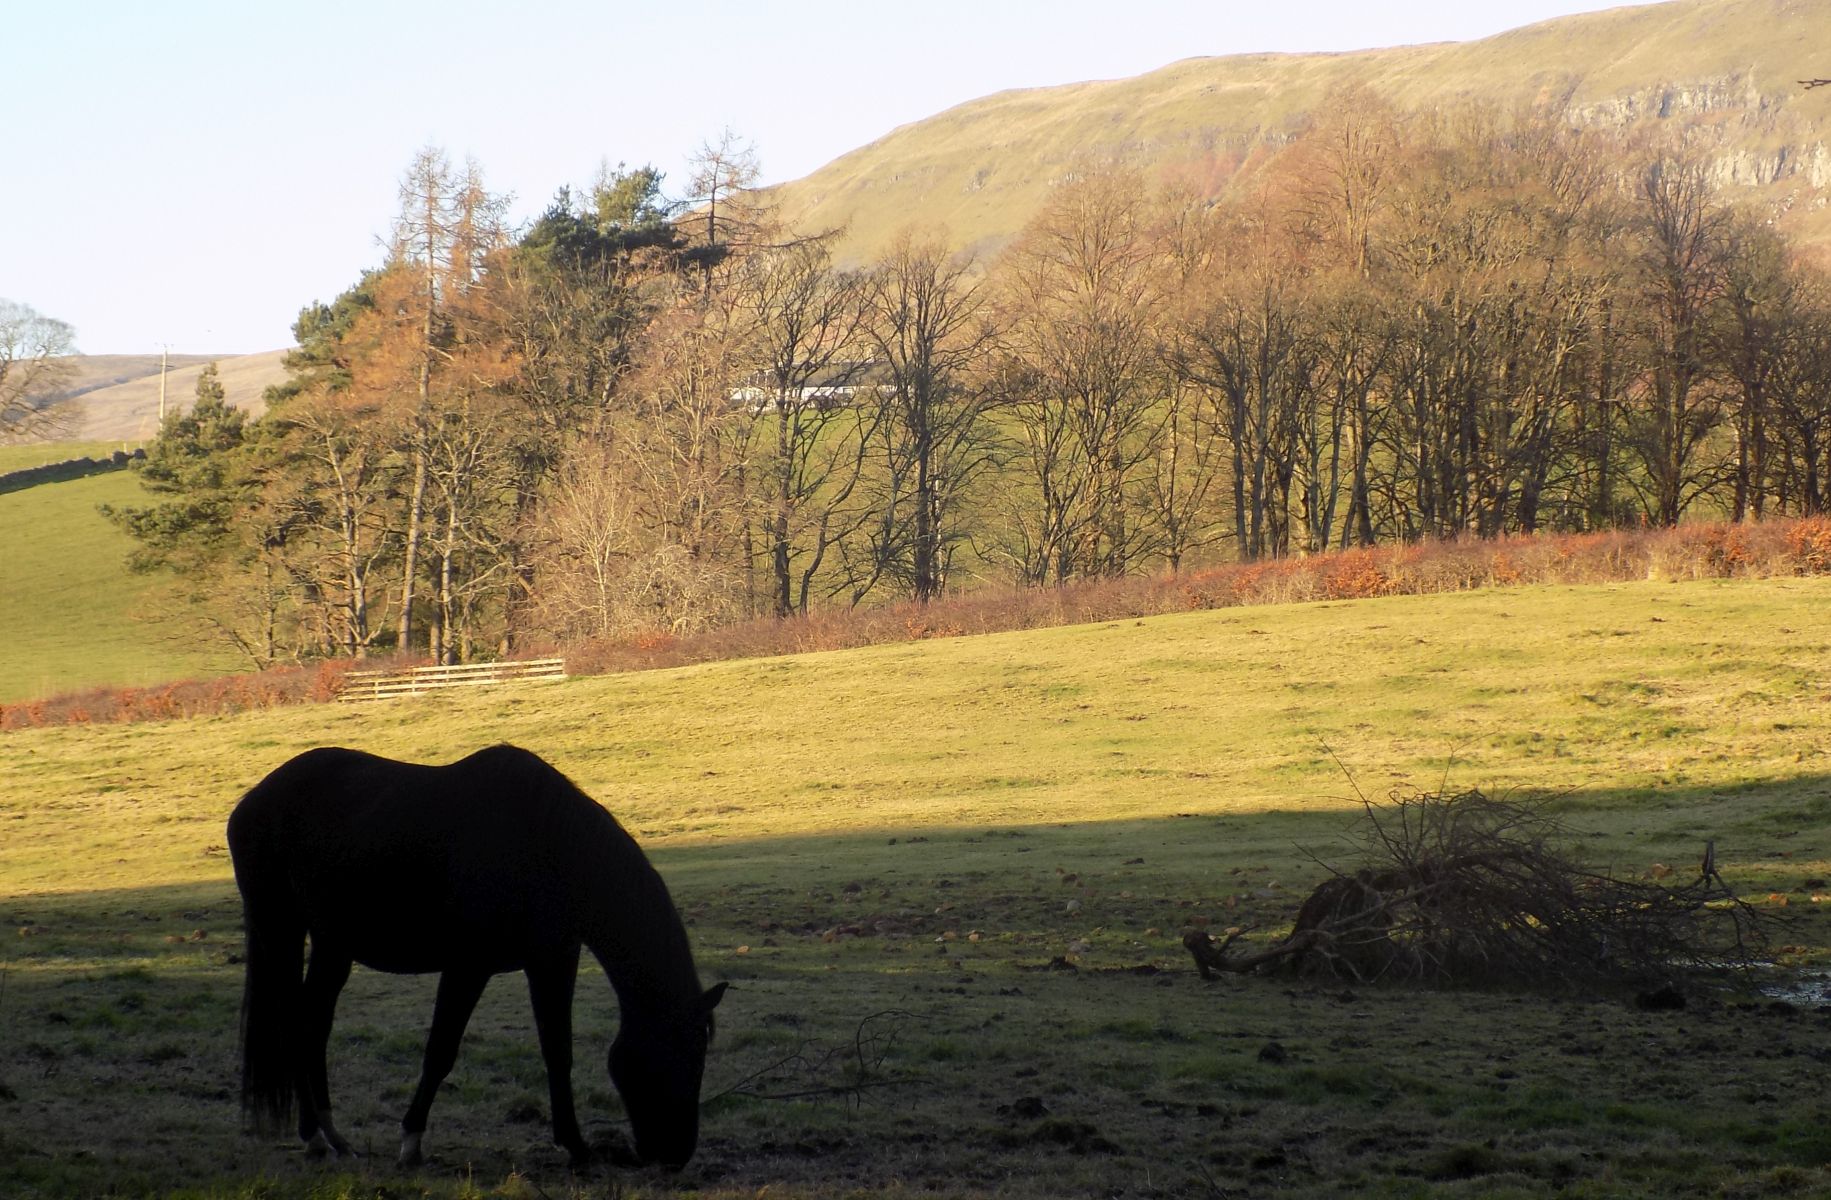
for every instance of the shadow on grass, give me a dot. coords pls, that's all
(1777, 833)
(1773, 836)
(118, 1060)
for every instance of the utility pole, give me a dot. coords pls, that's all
(163, 349)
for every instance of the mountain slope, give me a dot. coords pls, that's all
(1726, 71)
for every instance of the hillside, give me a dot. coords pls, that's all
(95, 372)
(1724, 73)
(118, 395)
(1682, 691)
(74, 616)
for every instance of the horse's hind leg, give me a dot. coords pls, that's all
(459, 992)
(324, 980)
(550, 987)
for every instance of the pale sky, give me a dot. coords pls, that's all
(190, 174)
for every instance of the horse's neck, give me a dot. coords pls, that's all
(629, 924)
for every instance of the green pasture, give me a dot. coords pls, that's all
(37, 454)
(74, 616)
(948, 880)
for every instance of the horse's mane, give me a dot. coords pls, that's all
(634, 928)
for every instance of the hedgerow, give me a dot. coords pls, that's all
(1767, 549)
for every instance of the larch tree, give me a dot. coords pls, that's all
(448, 226)
(719, 172)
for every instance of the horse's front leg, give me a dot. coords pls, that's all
(550, 984)
(324, 980)
(459, 991)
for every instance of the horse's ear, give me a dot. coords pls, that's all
(713, 995)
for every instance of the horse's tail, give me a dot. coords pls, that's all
(272, 983)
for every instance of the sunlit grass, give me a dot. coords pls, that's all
(1680, 694)
(37, 454)
(74, 615)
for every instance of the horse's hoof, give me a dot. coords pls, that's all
(320, 1146)
(325, 1141)
(410, 1151)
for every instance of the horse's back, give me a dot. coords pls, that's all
(332, 786)
(404, 862)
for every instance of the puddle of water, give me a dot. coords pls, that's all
(1809, 989)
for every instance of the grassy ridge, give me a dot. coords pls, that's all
(74, 616)
(982, 169)
(888, 844)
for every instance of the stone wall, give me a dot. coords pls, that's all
(72, 468)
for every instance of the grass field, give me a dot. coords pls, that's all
(74, 616)
(952, 876)
(37, 454)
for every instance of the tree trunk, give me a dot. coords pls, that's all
(410, 552)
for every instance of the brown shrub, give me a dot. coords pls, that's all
(1501, 571)
(1356, 575)
(1808, 545)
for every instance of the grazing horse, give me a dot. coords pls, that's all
(493, 863)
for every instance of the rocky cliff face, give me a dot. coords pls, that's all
(1753, 140)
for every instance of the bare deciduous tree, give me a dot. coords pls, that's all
(34, 353)
(1082, 373)
(605, 572)
(1240, 339)
(930, 337)
(807, 322)
(1680, 227)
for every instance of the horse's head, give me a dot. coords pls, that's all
(656, 1063)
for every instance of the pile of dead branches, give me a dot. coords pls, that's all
(1468, 889)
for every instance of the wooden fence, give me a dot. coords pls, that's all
(383, 685)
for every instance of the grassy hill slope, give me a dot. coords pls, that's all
(1666, 692)
(1726, 70)
(886, 848)
(74, 616)
(92, 372)
(129, 410)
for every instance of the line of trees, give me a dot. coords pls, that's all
(617, 421)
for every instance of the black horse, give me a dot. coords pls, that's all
(494, 863)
